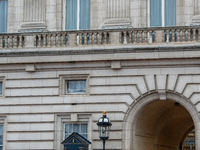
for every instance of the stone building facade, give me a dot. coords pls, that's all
(63, 62)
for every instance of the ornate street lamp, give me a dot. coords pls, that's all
(104, 128)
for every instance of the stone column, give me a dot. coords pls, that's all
(34, 16)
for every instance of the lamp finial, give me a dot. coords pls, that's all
(104, 112)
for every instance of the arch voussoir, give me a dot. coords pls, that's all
(136, 108)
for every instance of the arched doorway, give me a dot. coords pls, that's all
(162, 125)
(154, 124)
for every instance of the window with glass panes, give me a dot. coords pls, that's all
(77, 14)
(162, 13)
(81, 128)
(76, 86)
(3, 15)
(1, 137)
(1, 88)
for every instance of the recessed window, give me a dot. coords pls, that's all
(3, 15)
(1, 137)
(73, 84)
(1, 88)
(162, 13)
(82, 129)
(76, 86)
(77, 14)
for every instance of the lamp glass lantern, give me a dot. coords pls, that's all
(104, 127)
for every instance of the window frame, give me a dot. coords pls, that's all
(3, 122)
(67, 118)
(2, 80)
(67, 87)
(72, 123)
(64, 9)
(6, 23)
(162, 13)
(2, 136)
(65, 78)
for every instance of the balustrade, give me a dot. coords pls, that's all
(11, 41)
(136, 36)
(133, 36)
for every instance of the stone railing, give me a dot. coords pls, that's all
(12, 41)
(59, 39)
(134, 36)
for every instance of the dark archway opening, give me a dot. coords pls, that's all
(162, 125)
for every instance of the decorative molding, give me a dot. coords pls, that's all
(118, 14)
(34, 16)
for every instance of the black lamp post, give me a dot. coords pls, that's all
(104, 128)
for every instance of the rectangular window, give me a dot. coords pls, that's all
(1, 88)
(155, 13)
(170, 12)
(162, 13)
(1, 137)
(3, 15)
(82, 129)
(76, 86)
(77, 14)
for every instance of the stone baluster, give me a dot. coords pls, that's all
(35, 40)
(95, 38)
(1, 42)
(188, 39)
(198, 35)
(178, 35)
(130, 36)
(194, 35)
(44, 40)
(20, 41)
(125, 37)
(100, 38)
(64, 38)
(59, 40)
(39, 41)
(85, 38)
(167, 36)
(135, 37)
(11, 41)
(145, 36)
(105, 38)
(173, 34)
(149, 34)
(154, 36)
(140, 34)
(54, 40)
(183, 35)
(90, 38)
(6, 41)
(15, 42)
(49, 40)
